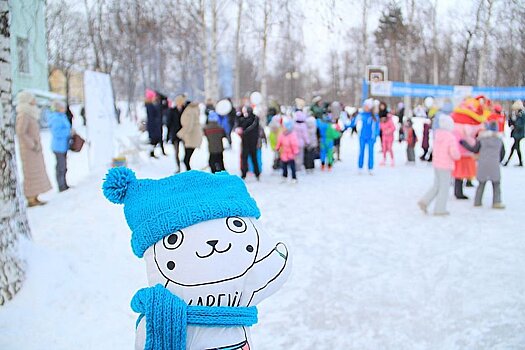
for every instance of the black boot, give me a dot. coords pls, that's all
(458, 189)
(469, 183)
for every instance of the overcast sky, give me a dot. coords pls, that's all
(316, 35)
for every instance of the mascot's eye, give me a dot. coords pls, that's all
(236, 225)
(174, 240)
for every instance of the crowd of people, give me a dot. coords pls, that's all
(301, 134)
(298, 136)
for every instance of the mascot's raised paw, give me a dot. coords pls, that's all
(208, 262)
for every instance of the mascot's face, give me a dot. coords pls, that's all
(208, 252)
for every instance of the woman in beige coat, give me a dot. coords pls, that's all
(191, 132)
(28, 131)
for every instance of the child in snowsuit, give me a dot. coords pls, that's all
(215, 133)
(386, 124)
(489, 146)
(288, 148)
(446, 151)
(411, 138)
(368, 134)
(425, 143)
(326, 142)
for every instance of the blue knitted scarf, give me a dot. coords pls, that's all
(167, 317)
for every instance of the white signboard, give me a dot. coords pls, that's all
(460, 92)
(381, 88)
(100, 118)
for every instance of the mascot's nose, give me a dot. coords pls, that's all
(213, 243)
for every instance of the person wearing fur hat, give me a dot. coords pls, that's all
(190, 132)
(208, 262)
(28, 132)
(489, 146)
(288, 148)
(60, 132)
(215, 133)
(517, 124)
(317, 108)
(446, 152)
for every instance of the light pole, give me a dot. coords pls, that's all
(292, 76)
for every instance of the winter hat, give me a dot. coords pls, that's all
(213, 117)
(155, 209)
(316, 99)
(446, 122)
(369, 103)
(24, 97)
(497, 108)
(288, 124)
(492, 126)
(517, 105)
(150, 95)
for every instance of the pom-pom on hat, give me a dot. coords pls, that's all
(155, 209)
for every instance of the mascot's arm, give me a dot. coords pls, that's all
(269, 273)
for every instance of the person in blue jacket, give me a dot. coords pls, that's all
(60, 132)
(368, 134)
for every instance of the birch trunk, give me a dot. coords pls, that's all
(237, 82)
(407, 72)
(484, 48)
(214, 70)
(363, 57)
(435, 66)
(13, 218)
(204, 50)
(266, 32)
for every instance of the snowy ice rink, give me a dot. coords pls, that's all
(370, 270)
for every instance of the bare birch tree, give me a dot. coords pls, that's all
(483, 52)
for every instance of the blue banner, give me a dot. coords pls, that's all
(399, 89)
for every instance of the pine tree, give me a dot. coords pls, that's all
(390, 35)
(13, 218)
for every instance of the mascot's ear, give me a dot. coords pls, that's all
(116, 184)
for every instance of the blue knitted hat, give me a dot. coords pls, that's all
(155, 209)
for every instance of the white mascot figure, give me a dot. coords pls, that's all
(208, 263)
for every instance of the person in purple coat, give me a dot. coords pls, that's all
(301, 131)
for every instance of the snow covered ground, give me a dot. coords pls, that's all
(370, 270)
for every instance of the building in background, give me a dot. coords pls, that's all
(72, 88)
(28, 47)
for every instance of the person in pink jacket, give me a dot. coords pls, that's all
(387, 127)
(446, 152)
(288, 148)
(301, 131)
